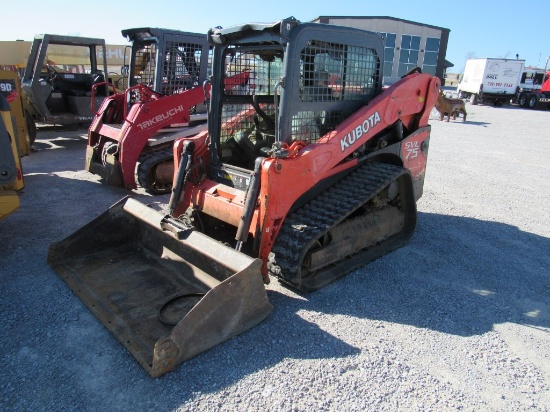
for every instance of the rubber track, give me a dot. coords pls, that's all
(147, 161)
(302, 228)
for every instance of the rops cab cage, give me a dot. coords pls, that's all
(60, 74)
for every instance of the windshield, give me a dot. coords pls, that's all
(250, 79)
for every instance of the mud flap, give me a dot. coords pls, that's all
(166, 292)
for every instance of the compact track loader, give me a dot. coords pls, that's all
(59, 76)
(305, 174)
(132, 134)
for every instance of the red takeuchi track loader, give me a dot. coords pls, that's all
(132, 134)
(309, 174)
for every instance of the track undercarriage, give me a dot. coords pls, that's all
(155, 169)
(364, 216)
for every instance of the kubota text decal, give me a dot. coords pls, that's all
(359, 130)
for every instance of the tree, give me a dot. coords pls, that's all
(469, 55)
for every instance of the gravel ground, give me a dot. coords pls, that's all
(459, 319)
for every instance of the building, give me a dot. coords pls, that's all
(408, 44)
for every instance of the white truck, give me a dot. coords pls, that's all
(491, 80)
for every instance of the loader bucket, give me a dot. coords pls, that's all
(167, 293)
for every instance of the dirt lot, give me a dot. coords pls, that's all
(459, 319)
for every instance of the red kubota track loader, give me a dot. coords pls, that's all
(306, 176)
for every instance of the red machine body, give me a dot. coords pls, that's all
(131, 135)
(123, 142)
(285, 180)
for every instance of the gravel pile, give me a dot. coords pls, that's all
(459, 319)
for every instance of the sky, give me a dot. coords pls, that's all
(477, 28)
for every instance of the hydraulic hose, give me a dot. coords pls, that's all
(178, 186)
(249, 204)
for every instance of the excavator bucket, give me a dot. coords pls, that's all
(167, 292)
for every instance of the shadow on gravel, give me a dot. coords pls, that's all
(504, 107)
(457, 275)
(100, 368)
(459, 120)
(284, 335)
(484, 124)
(57, 205)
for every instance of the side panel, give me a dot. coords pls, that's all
(498, 76)
(502, 76)
(473, 75)
(414, 152)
